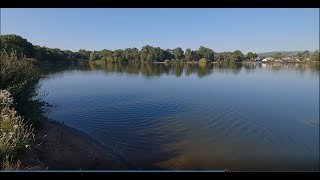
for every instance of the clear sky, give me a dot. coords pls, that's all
(257, 30)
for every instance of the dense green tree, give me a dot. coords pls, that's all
(178, 53)
(206, 53)
(84, 54)
(188, 54)
(106, 55)
(160, 54)
(250, 56)
(148, 54)
(132, 55)
(15, 42)
(224, 57)
(144, 53)
(110, 59)
(220, 57)
(195, 56)
(20, 45)
(93, 56)
(118, 56)
(168, 53)
(236, 56)
(39, 53)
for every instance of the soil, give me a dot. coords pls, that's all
(59, 147)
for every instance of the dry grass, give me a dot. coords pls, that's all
(9, 166)
(16, 136)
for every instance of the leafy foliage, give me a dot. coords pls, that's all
(178, 53)
(206, 53)
(129, 55)
(232, 57)
(203, 60)
(188, 54)
(167, 61)
(15, 72)
(250, 56)
(21, 45)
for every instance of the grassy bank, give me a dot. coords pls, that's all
(16, 135)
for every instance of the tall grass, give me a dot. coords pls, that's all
(8, 165)
(16, 136)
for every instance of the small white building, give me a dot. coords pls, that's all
(267, 59)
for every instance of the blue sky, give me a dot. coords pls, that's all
(257, 30)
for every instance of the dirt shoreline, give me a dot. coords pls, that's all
(59, 147)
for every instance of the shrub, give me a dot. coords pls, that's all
(167, 61)
(202, 60)
(15, 136)
(20, 77)
(16, 71)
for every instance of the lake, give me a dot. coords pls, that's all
(242, 117)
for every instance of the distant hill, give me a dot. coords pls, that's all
(284, 53)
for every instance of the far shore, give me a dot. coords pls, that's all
(215, 62)
(194, 62)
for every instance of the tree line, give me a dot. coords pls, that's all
(129, 55)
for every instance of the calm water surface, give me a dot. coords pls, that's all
(220, 116)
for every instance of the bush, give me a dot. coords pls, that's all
(15, 72)
(20, 77)
(202, 60)
(15, 136)
(167, 61)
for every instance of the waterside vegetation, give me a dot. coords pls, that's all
(147, 54)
